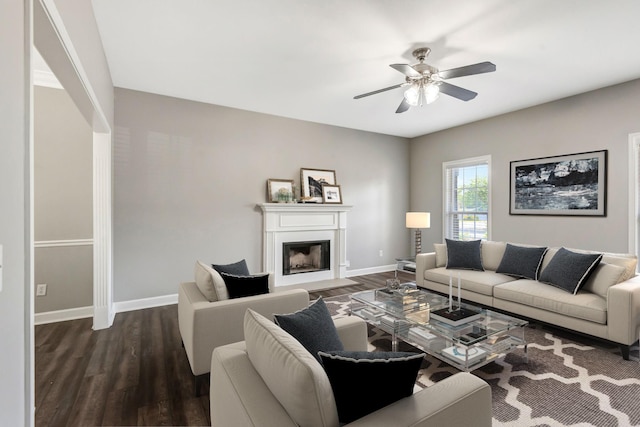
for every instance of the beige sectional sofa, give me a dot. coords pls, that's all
(606, 306)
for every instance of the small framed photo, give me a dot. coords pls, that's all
(311, 182)
(278, 190)
(331, 194)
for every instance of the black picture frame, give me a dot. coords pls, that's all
(566, 185)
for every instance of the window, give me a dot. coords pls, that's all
(467, 187)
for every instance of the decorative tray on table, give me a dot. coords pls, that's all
(456, 316)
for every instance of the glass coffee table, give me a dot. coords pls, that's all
(409, 314)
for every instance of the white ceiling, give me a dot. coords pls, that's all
(307, 59)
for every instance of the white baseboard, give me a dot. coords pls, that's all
(371, 270)
(62, 315)
(118, 307)
(139, 304)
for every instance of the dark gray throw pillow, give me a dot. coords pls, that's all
(569, 270)
(237, 268)
(520, 261)
(362, 373)
(313, 327)
(246, 286)
(464, 254)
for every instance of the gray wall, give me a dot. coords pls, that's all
(15, 230)
(602, 119)
(188, 177)
(62, 201)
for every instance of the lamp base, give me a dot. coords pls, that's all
(418, 241)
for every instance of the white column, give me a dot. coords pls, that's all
(342, 245)
(102, 232)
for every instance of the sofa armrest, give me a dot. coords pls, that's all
(424, 261)
(206, 325)
(352, 331)
(623, 311)
(461, 400)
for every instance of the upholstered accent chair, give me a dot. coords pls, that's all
(270, 379)
(205, 324)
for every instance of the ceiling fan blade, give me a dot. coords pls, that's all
(406, 69)
(468, 70)
(457, 91)
(404, 106)
(379, 91)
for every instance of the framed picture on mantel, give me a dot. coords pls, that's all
(571, 184)
(311, 182)
(279, 190)
(331, 194)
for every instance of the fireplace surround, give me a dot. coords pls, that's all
(296, 223)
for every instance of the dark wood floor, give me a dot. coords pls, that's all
(134, 373)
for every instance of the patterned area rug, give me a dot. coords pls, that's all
(570, 380)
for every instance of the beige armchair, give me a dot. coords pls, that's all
(268, 381)
(205, 325)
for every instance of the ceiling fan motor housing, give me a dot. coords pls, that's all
(421, 53)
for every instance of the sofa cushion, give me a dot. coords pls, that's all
(569, 270)
(313, 327)
(583, 305)
(627, 261)
(492, 253)
(246, 286)
(239, 268)
(481, 282)
(602, 278)
(292, 374)
(208, 281)
(520, 261)
(441, 254)
(362, 373)
(464, 254)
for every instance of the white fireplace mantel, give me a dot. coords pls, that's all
(293, 222)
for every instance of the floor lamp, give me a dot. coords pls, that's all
(418, 220)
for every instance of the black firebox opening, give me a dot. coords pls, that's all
(306, 257)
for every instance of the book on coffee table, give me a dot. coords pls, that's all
(455, 317)
(472, 355)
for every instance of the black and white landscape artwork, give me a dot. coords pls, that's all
(564, 185)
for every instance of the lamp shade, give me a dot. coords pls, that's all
(418, 220)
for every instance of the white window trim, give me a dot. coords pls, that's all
(461, 163)
(634, 175)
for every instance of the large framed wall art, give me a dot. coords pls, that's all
(571, 184)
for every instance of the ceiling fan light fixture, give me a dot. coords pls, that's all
(431, 92)
(412, 95)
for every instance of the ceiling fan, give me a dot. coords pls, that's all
(426, 82)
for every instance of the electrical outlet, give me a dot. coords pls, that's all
(41, 290)
(381, 253)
